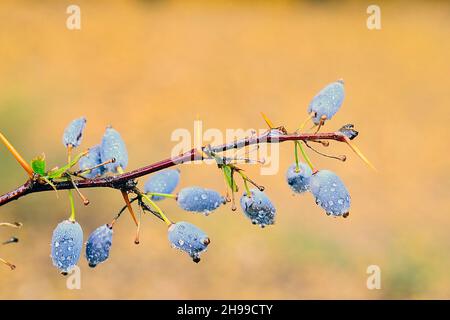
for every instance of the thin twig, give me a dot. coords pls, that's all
(122, 181)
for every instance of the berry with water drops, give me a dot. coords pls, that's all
(67, 241)
(327, 102)
(187, 237)
(92, 159)
(99, 245)
(299, 181)
(113, 147)
(74, 132)
(258, 208)
(330, 193)
(199, 199)
(162, 182)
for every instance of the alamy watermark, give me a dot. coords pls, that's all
(374, 279)
(267, 155)
(374, 19)
(73, 21)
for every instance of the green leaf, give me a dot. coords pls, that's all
(228, 172)
(38, 165)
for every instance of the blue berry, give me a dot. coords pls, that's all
(162, 182)
(299, 181)
(330, 193)
(328, 101)
(187, 237)
(74, 132)
(114, 147)
(90, 160)
(258, 208)
(98, 245)
(67, 242)
(199, 199)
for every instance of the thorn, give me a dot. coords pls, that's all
(267, 120)
(321, 123)
(17, 155)
(359, 153)
(130, 208)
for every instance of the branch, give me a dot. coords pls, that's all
(125, 181)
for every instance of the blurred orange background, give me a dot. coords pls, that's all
(149, 67)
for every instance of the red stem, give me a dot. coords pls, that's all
(124, 181)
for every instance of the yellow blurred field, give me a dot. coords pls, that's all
(149, 67)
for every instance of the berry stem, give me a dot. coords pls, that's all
(305, 122)
(297, 168)
(305, 156)
(165, 195)
(17, 155)
(158, 209)
(72, 206)
(245, 179)
(87, 170)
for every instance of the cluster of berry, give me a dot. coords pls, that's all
(327, 188)
(111, 156)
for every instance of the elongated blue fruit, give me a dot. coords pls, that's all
(73, 133)
(330, 193)
(327, 102)
(198, 199)
(188, 238)
(299, 181)
(114, 147)
(92, 159)
(67, 241)
(258, 208)
(99, 245)
(162, 182)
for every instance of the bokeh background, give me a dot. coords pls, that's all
(149, 67)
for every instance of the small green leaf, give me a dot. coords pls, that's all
(38, 165)
(228, 172)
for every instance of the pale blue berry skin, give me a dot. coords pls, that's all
(114, 147)
(162, 182)
(258, 208)
(73, 134)
(67, 242)
(328, 101)
(197, 199)
(99, 245)
(299, 181)
(330, 193)
(90, 160)
(188, 238)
